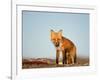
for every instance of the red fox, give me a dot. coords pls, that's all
(64, 45)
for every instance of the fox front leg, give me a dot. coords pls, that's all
(64, 57)
(57, 56)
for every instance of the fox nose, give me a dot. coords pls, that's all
(57, 44)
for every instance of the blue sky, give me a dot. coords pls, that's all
(36, 32)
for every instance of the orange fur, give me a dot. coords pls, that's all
(64, 45)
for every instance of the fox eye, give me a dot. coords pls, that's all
(58, 39)
(53, 39)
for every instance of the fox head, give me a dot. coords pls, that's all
(56, 37)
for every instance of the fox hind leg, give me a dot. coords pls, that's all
(72, 54)
(72, 59)
(75, 58)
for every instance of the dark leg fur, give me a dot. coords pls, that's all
(57, 56)
(75, 59)
(64, 57)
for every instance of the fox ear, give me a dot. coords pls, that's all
(60, 33)
(52, 30)
(60, 30)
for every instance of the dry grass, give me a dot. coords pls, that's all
(49, 63)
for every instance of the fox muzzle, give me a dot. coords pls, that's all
(57, 44)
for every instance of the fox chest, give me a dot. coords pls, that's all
(64, 46)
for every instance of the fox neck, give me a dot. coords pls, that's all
(59, 47)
